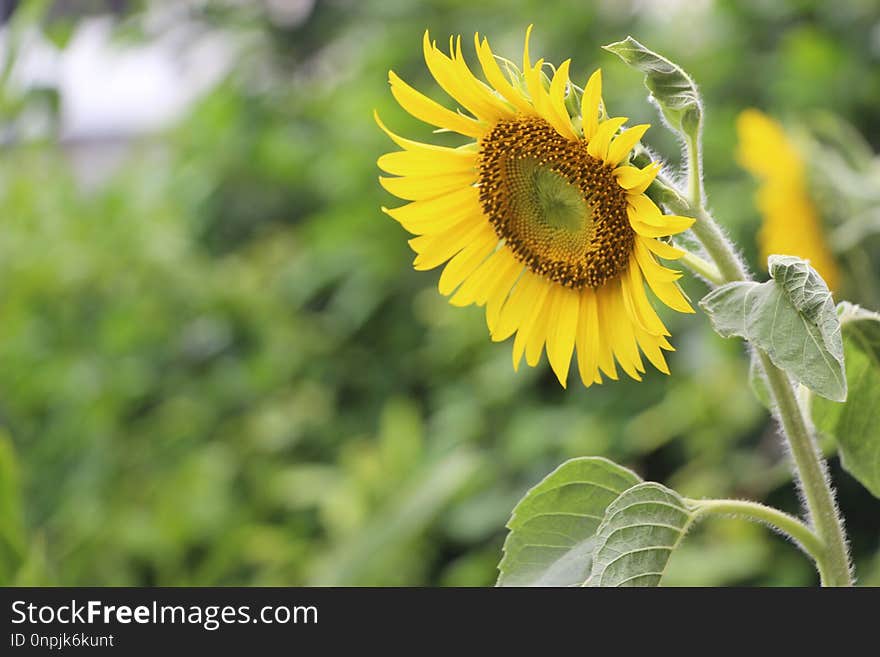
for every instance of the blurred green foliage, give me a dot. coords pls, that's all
(217, 366)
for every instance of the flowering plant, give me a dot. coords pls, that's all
(556, 218)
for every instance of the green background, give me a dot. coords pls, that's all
(217, 366)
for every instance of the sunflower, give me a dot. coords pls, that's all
(540, 217)
(791, 223)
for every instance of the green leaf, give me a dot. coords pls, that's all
(552, 529)
(640, 531)
(855, 424)
(791, 317)
(758, 382)
(671, 88)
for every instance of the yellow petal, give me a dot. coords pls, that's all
(587, 338)
(476, 287)
(527, 60)
(558, 114)
(658, 279)
(590, 104)
(459, 83)
(433, 215)
(599, 142)
(642, 310)
(635, 180)
(651, 267)
(624, 142)
(517, 305)
(464, 264)
(642, 209)
(676, 224)
(519, 348)
(429, 111)
(649, 172)
(793, 225)
(606, 329)
(418, 146)
(650, 345)
(499, 292)
(434, 250)
(791, 222)
(534, 84)
(528, 332)
(622, 337)
(671, 295)
(498, 80)
(418, 163)
(663, 249)
(496, 276)
(764, 148)
(629, 303)
(493, 104)
(422, 188)
(562, 331)
(672, 225)
(535, 328)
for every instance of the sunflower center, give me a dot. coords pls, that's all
(549, 197)
(559, 210)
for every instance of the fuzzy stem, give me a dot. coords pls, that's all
(702, 267)
(812, 473)
(695, 171)
(810, 469)
(719, 249)
(707, 231)
(786, 524)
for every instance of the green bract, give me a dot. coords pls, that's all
(671, 88)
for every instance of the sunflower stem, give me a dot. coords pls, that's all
(782, 522)
(813, 475)
(718, 247)
(695, 171)
(707, 231)
(809, 466)
(702, 267)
